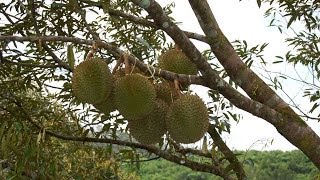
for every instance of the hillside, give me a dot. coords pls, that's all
(259, 165)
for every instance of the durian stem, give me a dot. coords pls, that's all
(127, 64)
(177, 89)
(119, 63)
(92, 51)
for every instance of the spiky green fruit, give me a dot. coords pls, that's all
(92, 81)
(188, 119)
(134, 96)
(165, 92)
(176, 61)
(106, 106)
(150, 129)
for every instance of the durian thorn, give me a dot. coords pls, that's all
(118, 65)
(126, 63)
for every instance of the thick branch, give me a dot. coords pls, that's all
(309, 144)
(241, 74)
(293, 128)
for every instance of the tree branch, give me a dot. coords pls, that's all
(143, 22)
(55, 58)
(213, 82)
(293, 128)
(30, 65)
(184, 151)
(186, 79)
(151, 148)
(236, 165)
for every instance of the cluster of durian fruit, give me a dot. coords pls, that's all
(151, 108)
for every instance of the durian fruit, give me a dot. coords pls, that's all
(150, 129)
(188, 119)
(92, 81)
(176, 61)
(165, 92)
(134, 96)
(106, 106)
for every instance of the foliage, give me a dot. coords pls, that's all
(288, 17)
(25, 153)
(278, 165)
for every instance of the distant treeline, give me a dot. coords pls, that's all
(259, 165)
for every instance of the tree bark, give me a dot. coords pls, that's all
(294, 129)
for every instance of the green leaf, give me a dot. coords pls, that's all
(70, 56)
(259, 3)
(291, 21)
(85, 133)
(314, 107)
(275, 62)
(106, 128)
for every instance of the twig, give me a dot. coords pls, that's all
(143, 22)
(229, 155)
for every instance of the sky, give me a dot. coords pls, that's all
(245, 21)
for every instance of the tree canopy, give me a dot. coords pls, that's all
(47, 132)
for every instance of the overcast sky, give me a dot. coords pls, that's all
(245, 21)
